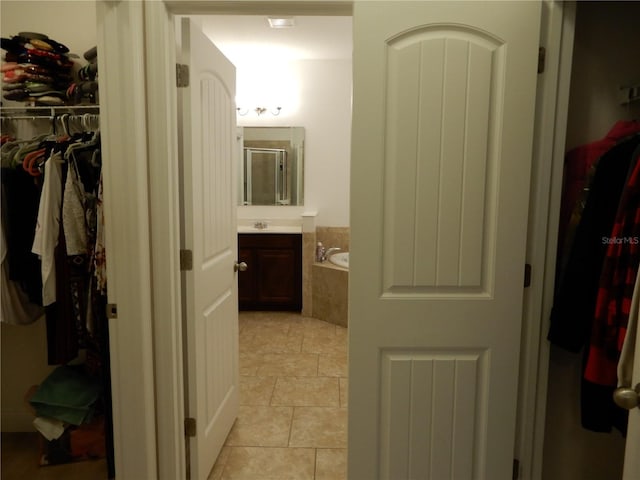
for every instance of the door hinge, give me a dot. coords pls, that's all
(182, 75)
(542, 55)
(186, 260)
(527, 275)
(112, 310)
(190, 427)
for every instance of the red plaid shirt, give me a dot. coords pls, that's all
(617, 281)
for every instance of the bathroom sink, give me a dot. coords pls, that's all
(341, 259)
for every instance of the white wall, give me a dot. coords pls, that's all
(605, 57)
(322, 105)
(24, 354)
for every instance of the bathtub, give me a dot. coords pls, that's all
(341, 259)
(330, 290)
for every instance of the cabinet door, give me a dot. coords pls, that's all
(277, 280)
(273, 279)
(247, 287)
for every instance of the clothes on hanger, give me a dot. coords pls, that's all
(575, 299)
(15, 307)
(47, 226)
(617, 282)
(58, 239)
(597, 266)
(627, 354)
(21, 196)
(580, 165)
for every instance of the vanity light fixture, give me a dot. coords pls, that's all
(281, 22)
(259, 111)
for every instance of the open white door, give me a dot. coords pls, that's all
(209, 231)
(443, 114)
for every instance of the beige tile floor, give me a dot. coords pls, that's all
(292, 419)
(293, 401)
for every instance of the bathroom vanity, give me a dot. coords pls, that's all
(273, 278)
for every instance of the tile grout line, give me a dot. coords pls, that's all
(293, 413)
(315, 463)
(273, 392)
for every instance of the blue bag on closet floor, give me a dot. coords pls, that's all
(68, 394)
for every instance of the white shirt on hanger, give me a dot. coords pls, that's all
(48, 226)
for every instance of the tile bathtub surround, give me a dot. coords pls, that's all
(308, 258)
(331, 293)
(334, 237)
(330, 237)
(293, 395)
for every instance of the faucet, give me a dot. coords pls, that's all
(329, 252)
(260, 225)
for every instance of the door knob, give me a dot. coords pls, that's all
(240, 266)
(626, 397)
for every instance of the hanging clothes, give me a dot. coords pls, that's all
(575, 300)
(58, 177)
(578, 163)
(47, 226)
(592, 300)
(617, 281)
(21, 198)
(15, 307)
(99, 255)
(73, 214)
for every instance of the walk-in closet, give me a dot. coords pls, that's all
(56, 387)
(584, 433)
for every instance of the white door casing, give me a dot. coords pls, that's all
(442, 132)
(209, 228)
(631, 469)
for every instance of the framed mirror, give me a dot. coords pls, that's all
(272, 166)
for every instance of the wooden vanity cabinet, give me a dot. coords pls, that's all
(273, 279)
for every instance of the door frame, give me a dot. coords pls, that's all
(552, 105)
(136, 41)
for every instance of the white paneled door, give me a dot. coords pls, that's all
(441, 156)
(209, 231)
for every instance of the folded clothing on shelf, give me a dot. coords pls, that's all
(35, 64)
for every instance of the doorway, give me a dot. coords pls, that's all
(164, 250)
(293, 367)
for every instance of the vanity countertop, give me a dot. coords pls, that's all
(270, 229)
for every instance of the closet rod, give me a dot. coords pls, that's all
(71, 117)
(29, 112)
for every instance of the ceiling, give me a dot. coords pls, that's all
(247, 38)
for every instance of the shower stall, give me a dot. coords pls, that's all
(267, 176)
